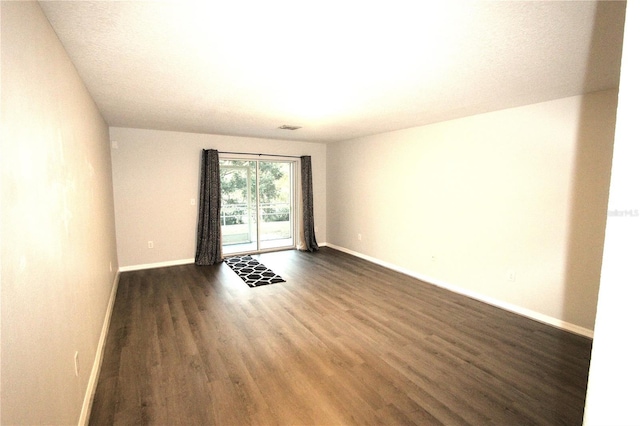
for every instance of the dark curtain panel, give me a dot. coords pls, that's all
(209, 249)
(307, 205)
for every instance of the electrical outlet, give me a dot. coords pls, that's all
(150, 244)
(511, 276)
(193, 201)
(433, 258)
(76, 364)
(359, 237)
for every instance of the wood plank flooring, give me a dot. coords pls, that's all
(343, 341)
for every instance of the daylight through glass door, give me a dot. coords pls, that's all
(257, 205)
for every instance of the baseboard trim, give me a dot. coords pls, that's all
(537, 316)
(97, 362)
(168, 263)
(156, 265)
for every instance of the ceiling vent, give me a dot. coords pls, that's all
(288, 127)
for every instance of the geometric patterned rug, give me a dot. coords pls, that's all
(251, 271)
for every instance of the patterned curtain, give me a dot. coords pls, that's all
(209, 248)
(308, 233)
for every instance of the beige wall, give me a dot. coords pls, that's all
(467, 202)
(612, 393)
(58, 231)
(157, 173)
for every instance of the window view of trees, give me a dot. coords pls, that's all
(238, 186)
(257, 205)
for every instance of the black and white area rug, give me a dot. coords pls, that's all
(252, 272)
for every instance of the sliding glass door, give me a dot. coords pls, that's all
(257, 205)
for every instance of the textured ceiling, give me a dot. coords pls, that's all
(338, 69)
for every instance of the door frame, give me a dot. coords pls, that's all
(295, 189)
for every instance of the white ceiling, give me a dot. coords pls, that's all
(340, 69)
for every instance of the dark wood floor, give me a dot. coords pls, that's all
(343, 341)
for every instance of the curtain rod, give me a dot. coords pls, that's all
(259, 155)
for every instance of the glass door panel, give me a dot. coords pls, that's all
(238, 214)
(276, 224)
(257, 205)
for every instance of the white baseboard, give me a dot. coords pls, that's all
(537, 316)
(168, 263)
(97, 362)
(156, 265)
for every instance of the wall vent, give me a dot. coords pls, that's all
(288, 127)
